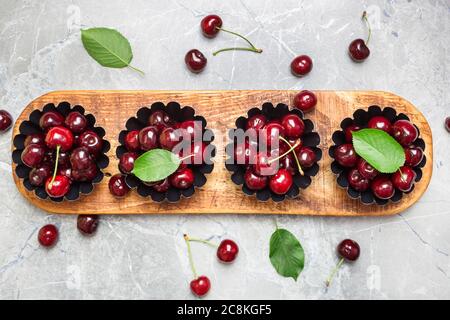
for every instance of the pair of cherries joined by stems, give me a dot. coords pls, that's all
(227, 252)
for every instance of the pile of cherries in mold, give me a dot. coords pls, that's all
(61, 149)
(363, 180)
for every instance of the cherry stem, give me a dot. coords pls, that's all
(58, 148)
(364, 16)
(292, 148)
(191, 260)
(136, 69)
(252, 47)
(330, 278)
(401, 175)
(203, 241)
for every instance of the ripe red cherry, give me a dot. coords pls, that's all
(33, 155)
(200, 286)
(357, 181)
(182, 179)
(48, 235)
(253, 181)
(349, 250)
(227, 251)
(191, 129)
(160, 119)
(305, 100)
(404, 132)
(162, 186)
(272, 132)
(169, 138)
(301, 65)
(51, 119)
(366, 170)
(404, 178)
(382, 188)
(148, 138)
(210, 25)
(293, 126)
(358, 50)
(257, 122)
(413, 156)
(76, 122)
(59, 187)
(195, 61)
(262, 166)
(288, 162)
(35, 138)
(132, 141)
(39, 175)
(80, 159)
(126, 161)
(349, 132)
(345, 155)
(244, 153)
(118, 186)
(306, 157)
(5, 120)
(87, 223)
(281, 182)
(64, 171)
(447, 124)
(381, 123)
(87, 174)
(59, 136)
(91, 141)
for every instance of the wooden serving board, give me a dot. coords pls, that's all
(220, 195)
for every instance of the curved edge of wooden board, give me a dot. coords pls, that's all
(418, 192)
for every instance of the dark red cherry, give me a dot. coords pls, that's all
(281, 182)
(447, 124)
(39, 175)
(87, 223)
(244, 153)
(272, 132)
(59, 187)
(382, 187)
(227, 251)
(305, 100)
(349, 132)
(404, 178)
(160, 119)
(195, 61)
(35, 138)
(404, 132)
(199, 153)
(349, 250)
(357, 181)
(366, 170)
(301, 65)
(210, 25)
(255, 182)
(345, 155)
(91, 141)
(292, 142)
(59, 136)
(381, 123)
(65, 171)
(288, 162)
(162, 186)
(87, 174)
(182, 179)
(126, 161)
(33, 155)
(257, 122)
(80, 158)
(118, 186)
(5, 120)
(358, 50)
(306, 156)
(191, 129)
(413, 156)
(51, 119)
(148, 138)
(48, 235)
(200, 286)
(169, 138)
(263, 166)
(293, 126)
(132, 141)
(76, 122)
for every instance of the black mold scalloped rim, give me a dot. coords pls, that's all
(361, 117)
(309, 138)
(179, 114)
(31, 126)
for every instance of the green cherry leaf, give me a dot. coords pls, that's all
(379, 149)
(108, 47)
(155, 165)
(286, 254)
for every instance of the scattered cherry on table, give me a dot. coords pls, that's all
(301, 65)
(358, 49)
(227, 251)
(87, 223)
(48, 235)
(5, 121)
(195, 61)
(210, 25)
(305, 100)
(348, 250)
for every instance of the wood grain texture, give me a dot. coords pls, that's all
(221, 109)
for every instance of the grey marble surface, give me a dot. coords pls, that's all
(144, 257)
